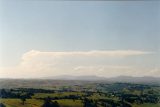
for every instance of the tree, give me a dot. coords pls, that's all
(2, 105)
(23, 99)
(89, 103)
(3, 93)
(48, 103)
(55, 104)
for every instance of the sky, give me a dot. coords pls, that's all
(102, 38)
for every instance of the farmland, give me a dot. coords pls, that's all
(79, 94)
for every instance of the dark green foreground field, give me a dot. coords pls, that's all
(54, 93)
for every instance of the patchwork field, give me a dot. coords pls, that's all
(87, 94)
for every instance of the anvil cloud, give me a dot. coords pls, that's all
(101, 63)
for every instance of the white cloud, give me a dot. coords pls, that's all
(154, 71)
(95, 53)
(40, 64)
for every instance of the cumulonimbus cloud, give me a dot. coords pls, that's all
(94, 53)
(98, 62)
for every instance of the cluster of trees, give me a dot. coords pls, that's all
(74, 97)
(89, 103)
(140, 99)
(22, 92)
(112, 103)
(10, 94)
(48, 103)
(33, 90)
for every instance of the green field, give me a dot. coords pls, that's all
(18, 103)
(63, 103)
(58, 94)
(83, 95)
(38, 103)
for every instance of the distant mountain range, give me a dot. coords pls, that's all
(93, 78)
(73, 80)
(68, 77)
(146, 79)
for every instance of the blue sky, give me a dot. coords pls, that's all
(51, 26)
